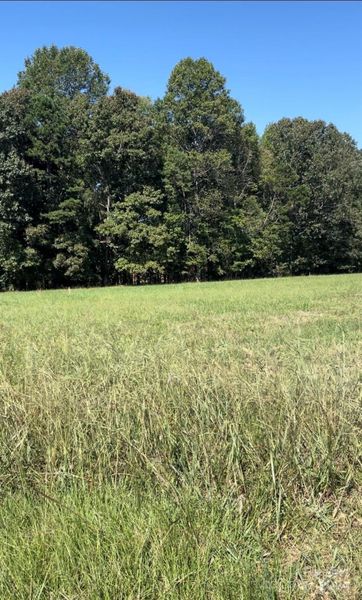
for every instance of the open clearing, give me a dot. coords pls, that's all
(184, 441)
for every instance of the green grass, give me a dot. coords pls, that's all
(184, 441)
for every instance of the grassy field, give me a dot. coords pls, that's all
(197, 441)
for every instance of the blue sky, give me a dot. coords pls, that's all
(280, 59)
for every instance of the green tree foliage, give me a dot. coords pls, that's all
(210, 164)
(143, 236)
(313, 192)
(120, 149)
(100, 188)
(120, 155)
(17, 183)
(60, 87)
(65, 72)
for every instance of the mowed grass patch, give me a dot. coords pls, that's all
(182, 441)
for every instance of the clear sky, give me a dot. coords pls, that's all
(280, 59)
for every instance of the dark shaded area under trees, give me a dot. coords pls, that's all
(98, 189)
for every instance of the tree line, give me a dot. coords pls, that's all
(99, 188)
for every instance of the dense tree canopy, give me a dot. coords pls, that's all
(99, 188)
(313, 188)
(65, 72)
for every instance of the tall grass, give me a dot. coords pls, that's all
(190, 441)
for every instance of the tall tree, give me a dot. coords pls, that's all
(17, 192)
(121, 155)
(144, 237)
(63, 87)
(205, 155)
(312, 179)
(66, 72)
